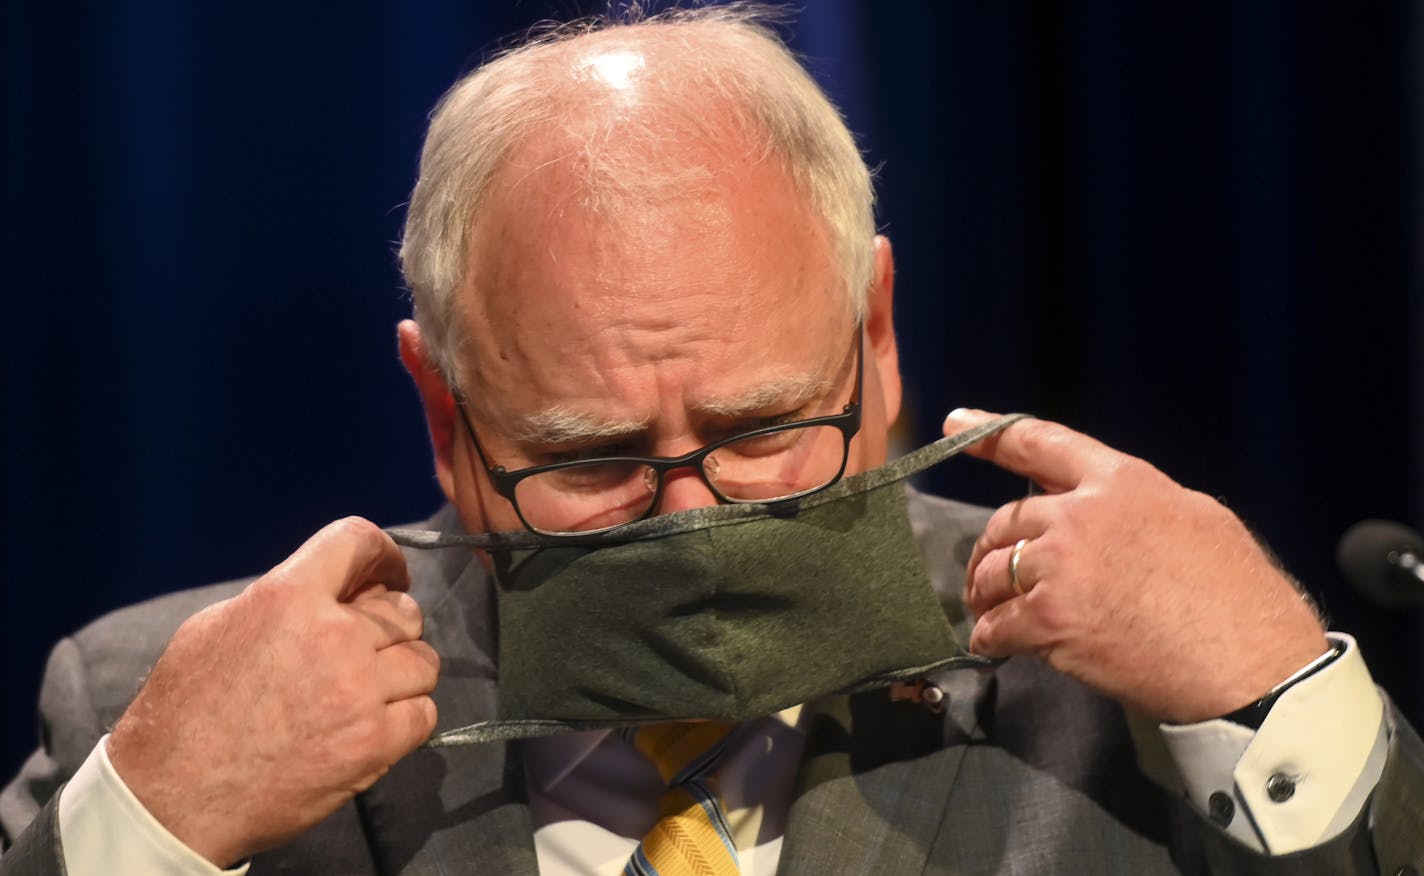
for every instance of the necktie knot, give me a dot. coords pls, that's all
(692, 838)
(684, 750)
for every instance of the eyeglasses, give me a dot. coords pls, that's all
(770, 465)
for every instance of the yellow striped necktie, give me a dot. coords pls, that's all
(691, 837)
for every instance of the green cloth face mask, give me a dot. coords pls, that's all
(728, 612)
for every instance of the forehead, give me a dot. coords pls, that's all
(600, 270)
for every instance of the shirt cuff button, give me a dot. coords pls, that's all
(1280, 787)
(1221, 809)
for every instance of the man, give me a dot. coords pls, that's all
(635, 250)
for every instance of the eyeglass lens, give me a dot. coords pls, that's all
(760, 468)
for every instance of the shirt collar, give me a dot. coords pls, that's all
(548, 760)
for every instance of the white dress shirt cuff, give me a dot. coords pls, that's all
(1304, 776)
(103, 829)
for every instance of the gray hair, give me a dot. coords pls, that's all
(730, 54)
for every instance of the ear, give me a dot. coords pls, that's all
(880, 328)
(436, 398)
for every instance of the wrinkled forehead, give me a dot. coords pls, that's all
(634, 224)
(642, 249)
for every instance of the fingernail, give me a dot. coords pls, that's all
(956, 414)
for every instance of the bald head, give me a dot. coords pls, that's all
(634, 117)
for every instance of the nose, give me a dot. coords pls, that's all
(683, 488)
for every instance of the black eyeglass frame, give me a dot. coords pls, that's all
(847, 421)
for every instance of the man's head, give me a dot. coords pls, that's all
(639, 239)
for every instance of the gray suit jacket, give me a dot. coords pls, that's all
(1025, 772)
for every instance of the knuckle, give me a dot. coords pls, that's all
(411, 722)
(1076, 512)
(982, 582)
(1073, 504)
(985, 542)
(402, 663)
(410, 610)
(1044, 610)
(1041, 438)
(1044, 552)
(1139, 472)
(429, 715)
(341, 624)
(1201, 505)
(268, 597)
(429, 657)
(1000, 520)
(1130, 468)
(1051, 615)
(984, 638)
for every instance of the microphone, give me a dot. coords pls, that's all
(1384, 561)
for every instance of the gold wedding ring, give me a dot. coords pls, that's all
(1014, 566)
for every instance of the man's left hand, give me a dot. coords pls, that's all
(1155, 595)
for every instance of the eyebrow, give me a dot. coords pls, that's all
(566, 425)
(786, 393)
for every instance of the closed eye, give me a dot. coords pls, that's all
(579, 454)
(804, 412)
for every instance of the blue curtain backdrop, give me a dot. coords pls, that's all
(1193, 230)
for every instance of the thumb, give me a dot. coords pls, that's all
(344, 558)
(961, 419)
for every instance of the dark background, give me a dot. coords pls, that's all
(1193, 230)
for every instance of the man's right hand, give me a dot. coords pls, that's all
(270, 710)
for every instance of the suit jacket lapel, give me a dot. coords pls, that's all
(876, 779)
(454, 810)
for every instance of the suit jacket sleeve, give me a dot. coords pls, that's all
(69, 728)
(90, 679)
(1396, 809)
